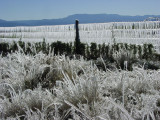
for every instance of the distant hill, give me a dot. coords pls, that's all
(83, 18)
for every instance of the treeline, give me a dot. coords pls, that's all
(92, 51)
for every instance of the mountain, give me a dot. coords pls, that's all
(83, 18)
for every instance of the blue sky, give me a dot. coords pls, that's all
(50, 9)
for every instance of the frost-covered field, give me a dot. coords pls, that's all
(47, 87)
(119, 32)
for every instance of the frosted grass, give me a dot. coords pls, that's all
(80, 90)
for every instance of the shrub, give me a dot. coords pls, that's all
(124, 59)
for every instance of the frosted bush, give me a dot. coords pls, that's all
(27, 71)
(125, 58)
(20, 102)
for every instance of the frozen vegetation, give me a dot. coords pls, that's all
(147, 32)
(48, 87)
(42, 86)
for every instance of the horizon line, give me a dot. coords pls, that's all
(79, 14)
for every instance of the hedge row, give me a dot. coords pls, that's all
(92, 51)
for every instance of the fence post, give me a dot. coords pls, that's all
(77, 39)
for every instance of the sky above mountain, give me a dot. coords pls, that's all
(51, 9)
